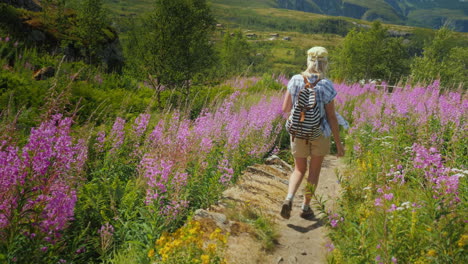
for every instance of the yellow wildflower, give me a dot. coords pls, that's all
(215, 234)
(151, 253)
(338, 256)
(205, 259)
(462, 241)
(199, 244)
(431, 253)
(161, 240)
(223, 239)
(211, 248)
(363, 165)
(177, 243)
(193, 231)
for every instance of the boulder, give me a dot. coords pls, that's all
(220, 219)
(44, 73)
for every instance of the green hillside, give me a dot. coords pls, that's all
(432, 14)
(261, 18)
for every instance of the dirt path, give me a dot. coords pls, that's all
(303, 241)
(263, 187)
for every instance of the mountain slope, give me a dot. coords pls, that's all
(427, 13)
(421, 13)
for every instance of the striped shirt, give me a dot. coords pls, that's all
(325, 93)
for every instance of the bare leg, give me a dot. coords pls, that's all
(315, 166)
(300, 167)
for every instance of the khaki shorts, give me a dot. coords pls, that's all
(318, 147)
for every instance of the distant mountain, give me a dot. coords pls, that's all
(425, 13)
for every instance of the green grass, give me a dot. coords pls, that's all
(264, 228)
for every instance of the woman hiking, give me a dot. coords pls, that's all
(311, 122)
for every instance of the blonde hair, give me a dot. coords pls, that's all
(317, 62)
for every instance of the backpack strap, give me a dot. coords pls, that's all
(307, 83)
(311, 86)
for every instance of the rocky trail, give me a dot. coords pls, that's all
(262, 188)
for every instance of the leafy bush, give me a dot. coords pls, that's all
(442, 59)
(370, 55)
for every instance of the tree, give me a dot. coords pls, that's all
(91, 19)
(235, 53)
(173, 43)
(53, 14)
(370, 54)
(443, 60)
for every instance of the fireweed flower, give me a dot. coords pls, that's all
(393, 207)
(106, 233)
(117, 134)
(334, 220)
(330, 247)
(106, 230)
(416, 105)
(44, 174)
(444, 183)
(174, 208)
(141, 122)
(80, 250)
(388, 196)
(157, 134)
(100, 140)
(227, 172)
(378, 202)
(173, 145)
(139, 128)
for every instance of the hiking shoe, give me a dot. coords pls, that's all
(286, 209)
(307, 213)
